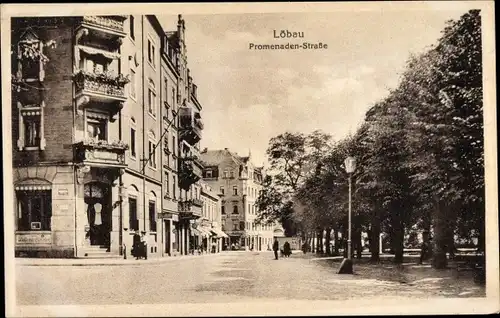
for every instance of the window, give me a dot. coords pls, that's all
(173, 98)
(173, 187)
(249, 211)
(222, 190)
(34, 210)
(235, 227)
(132, 142)
(232, 174)
(173, 146)
(152, 102)
(242, 226)
(32, 131)
(209, 173)
(133, 79)
(235, 190)
(96, 129)
(152, 154)
(235, 209)
(226, 174)
(223, 210)
(151, 53)
(132, 27)
(133, 220)
(152, 216)
(167, 184)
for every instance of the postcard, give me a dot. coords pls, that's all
(242, 159)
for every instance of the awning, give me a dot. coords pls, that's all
(94, 51)
(219, 233)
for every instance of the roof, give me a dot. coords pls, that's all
(215, 157)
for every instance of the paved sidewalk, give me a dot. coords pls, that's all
(24, 261)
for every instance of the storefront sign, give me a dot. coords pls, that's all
(36, 238)
(105, 155)
(63, 191)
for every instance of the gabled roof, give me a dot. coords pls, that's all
(215, 157)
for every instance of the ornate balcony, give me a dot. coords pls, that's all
(189, 173)
(188, 210)
(107, 26)
(104, 90)
(191, 125)
(101, 153)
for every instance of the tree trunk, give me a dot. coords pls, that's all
(398, 235)
(439, 260)
(327, 242)
(336, 241)
(319, 237)
(375, 240)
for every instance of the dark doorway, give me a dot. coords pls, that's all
(97, 197)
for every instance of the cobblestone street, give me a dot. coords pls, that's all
(232, 277)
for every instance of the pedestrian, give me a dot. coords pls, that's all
(286, 249)
(144, 243)
(276, 247)
(136, 245)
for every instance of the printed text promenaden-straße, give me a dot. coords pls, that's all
(288, 46)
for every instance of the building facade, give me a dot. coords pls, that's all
(239, 182)
(216, 239)
(104, 110)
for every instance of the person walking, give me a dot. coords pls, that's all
(136, 245)
(276, 247)
(144, 245)
(287, 251)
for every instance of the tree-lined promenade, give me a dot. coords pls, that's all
(420, 160)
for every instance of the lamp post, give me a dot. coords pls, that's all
(346, 266)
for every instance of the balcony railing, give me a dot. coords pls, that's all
(187, 209)
(191, 124)
(112, 23)
(103, 85)
(197, 202)
(100, 152)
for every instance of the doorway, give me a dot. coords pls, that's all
(97, 197)
(168, 235)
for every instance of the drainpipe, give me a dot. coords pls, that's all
(120, 192)
(143, 129)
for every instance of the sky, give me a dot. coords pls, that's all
(249, 96)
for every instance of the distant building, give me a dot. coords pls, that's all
(239, 182)
(211, 234)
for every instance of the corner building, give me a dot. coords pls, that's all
(239, 183)
(99, 120)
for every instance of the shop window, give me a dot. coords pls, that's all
(34, 210)
(31, 127)
(133, 220)
(152, 216)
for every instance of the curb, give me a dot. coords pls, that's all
(92, 262)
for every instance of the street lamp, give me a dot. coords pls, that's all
(346, 266)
